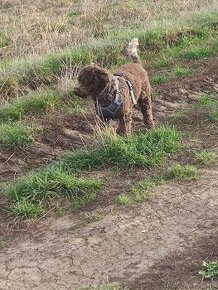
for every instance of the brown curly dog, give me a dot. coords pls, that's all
(115, 95)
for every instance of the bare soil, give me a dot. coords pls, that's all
(158, 245)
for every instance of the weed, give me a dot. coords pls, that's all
(209, 270)
(206, 157)
(94, 216)
(123, 199)
(186, 172)
(143, 189)
(17, 135)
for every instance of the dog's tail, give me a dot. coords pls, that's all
(132, 49)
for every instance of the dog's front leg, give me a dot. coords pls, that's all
(125, 124)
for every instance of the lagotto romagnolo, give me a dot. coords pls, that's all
(116, 94)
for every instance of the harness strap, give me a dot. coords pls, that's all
(109, 113)
(129, 86)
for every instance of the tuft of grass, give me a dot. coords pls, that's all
(143, 149)
(209, 270)
(26, 210)
(41, 187)
(17, 135)
(182, 71)
(143, 189)
(4, 40)
(159, 79)
(197, 53)
(123, 199)
(180, 172)
(205, 101)
(206, 157)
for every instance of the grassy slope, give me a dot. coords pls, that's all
(170, 42)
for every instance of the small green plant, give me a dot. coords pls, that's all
(183, 172)
(209, 105)
(17, 135)
(93, 217)
(183, 71)
(205, 101)
(213, 115)
(206, 157)
(123, 199)
(26, 210)
(159, 79)
(209, 270)
(143, 189)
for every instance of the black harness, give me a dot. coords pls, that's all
(109, 113)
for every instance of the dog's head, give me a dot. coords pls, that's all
(91, 81)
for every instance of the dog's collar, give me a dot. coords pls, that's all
(109, 113)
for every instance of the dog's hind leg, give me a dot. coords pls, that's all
(146, 107)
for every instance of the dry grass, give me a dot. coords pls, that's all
(36, 27)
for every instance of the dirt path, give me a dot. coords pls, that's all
(179, 225)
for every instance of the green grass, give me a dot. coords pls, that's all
(123, 199)
(49, 183)
(26, 210)
(60, 179)
(32, 104)
(32, 194)
(206, 157)
(183, 172)
(209, 270)
(35, 104)
(16, 135)
(197, 53)
(143, 149)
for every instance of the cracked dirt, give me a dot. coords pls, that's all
(125, 246)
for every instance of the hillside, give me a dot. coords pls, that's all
(80, 206)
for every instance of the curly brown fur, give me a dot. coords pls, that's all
(96, 82)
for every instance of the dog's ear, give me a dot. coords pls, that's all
(94, 78)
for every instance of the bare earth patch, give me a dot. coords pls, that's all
(159, 245)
